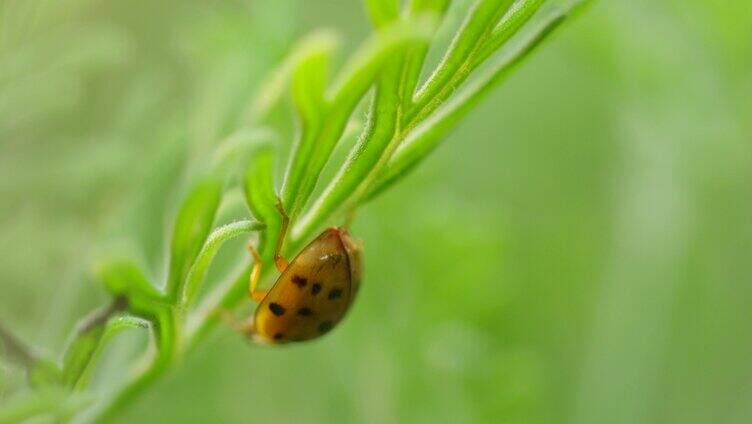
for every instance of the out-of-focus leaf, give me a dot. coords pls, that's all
(382, 12)
(114, 326)
(86, 341)
(14, 350)
(235, 151)
(52, 404)
(123, 278)
(40, 371)
(44, 373)
(147, 215)
(314, 45)
(192, 226)
(422, 6)
(80, 351)
(309, 77)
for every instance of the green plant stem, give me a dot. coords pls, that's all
(168, 340)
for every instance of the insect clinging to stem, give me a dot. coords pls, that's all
(312, 293)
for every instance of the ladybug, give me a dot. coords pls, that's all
(313, 292)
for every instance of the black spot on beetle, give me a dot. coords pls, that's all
(305, 312)
(315, 288)
(278, 336)
(299, 281)
(277, 309)
(334, 293)
(325, 326)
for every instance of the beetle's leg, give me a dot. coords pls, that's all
(278, 259)
(246, 326)
(253, 291)
(349, 218)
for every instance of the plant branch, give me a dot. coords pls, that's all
(15, 350)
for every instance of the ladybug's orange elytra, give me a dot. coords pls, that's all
(313, 292)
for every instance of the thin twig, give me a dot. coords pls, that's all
(15, 350)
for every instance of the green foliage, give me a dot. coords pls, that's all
(208, 251)
(88, 341)
(192, 227)
(124, 279)
(405, 122)
(261, 196)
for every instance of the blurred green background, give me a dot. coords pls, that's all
(579, 250)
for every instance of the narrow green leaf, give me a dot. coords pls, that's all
(354, 81)
(209, 250)
(192, 226)
(79, 353)
(427, 136)
(86, 340)
(453, 68)
(415, 57)
(512, 21)
(114, 326)
(44, 374)
(308, 84)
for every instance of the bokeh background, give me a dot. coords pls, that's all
(578, 251)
